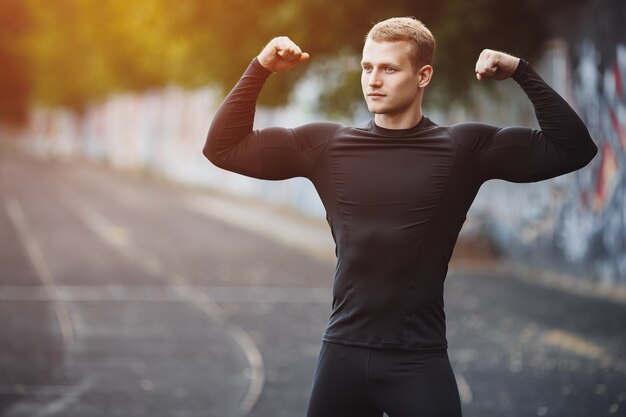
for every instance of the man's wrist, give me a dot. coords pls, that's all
(257, 66)
(521, 67)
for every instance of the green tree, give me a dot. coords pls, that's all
(15, 91)
(72, 52)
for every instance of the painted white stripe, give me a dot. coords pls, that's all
(465, 392)
(582, 347)
(309, 237)
(69, 398)
(161, 293)
(35, 390)
(31, 245)
(120, 240)
(253, 354)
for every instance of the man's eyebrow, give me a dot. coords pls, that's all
(381, 64)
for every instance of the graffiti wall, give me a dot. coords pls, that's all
(593, 225)
(576, 223)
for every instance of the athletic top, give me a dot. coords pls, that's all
(396, 199)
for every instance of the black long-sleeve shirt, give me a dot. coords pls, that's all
(396, 199)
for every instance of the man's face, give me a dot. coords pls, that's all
(389, 81)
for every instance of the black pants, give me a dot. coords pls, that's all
(353, 381)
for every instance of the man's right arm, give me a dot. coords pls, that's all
(272, 153)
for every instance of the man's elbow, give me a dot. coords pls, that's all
(207, 151)
(210, 152)
(592, 151)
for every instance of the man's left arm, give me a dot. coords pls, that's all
(518, 154)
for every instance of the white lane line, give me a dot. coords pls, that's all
(35, 390)
(256, 371)
(311, 238)
(66, 400)
(573, 343)
(164, 293)
(580, 346)
(120, 240)
(31, 245)
(69, 394)
(465, 392)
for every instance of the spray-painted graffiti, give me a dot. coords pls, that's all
(592, 226)
(576, 222)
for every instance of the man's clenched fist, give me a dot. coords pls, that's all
(281, 54)
(495, 65)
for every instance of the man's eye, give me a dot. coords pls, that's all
(390, 70)
(367, 69)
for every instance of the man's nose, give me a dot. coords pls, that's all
(375, 80)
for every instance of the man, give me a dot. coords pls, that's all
(396, 193)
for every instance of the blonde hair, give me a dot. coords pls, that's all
(407, 29)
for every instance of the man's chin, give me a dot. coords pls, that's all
(376, 109)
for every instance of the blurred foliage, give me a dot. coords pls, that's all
(15, 86)
(72, 52)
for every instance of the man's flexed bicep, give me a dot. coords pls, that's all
(232, 144)
(521, 154)
(277, 153)
(516, 154)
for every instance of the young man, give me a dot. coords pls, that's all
(396, 193)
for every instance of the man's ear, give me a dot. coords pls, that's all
(424, 75)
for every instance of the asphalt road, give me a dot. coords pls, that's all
(125, 296)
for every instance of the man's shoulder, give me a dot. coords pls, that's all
(323, 129)
(318, 133)
(472, 135)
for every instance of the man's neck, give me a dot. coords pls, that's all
(405, 120)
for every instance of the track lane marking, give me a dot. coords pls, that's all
(312, 239)
(465, 391)
(582, 347)
(69, 398)
(118, 238)
(37, 259)
(169, 293)
(62, 313)
(68, 395)
(572, 343)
